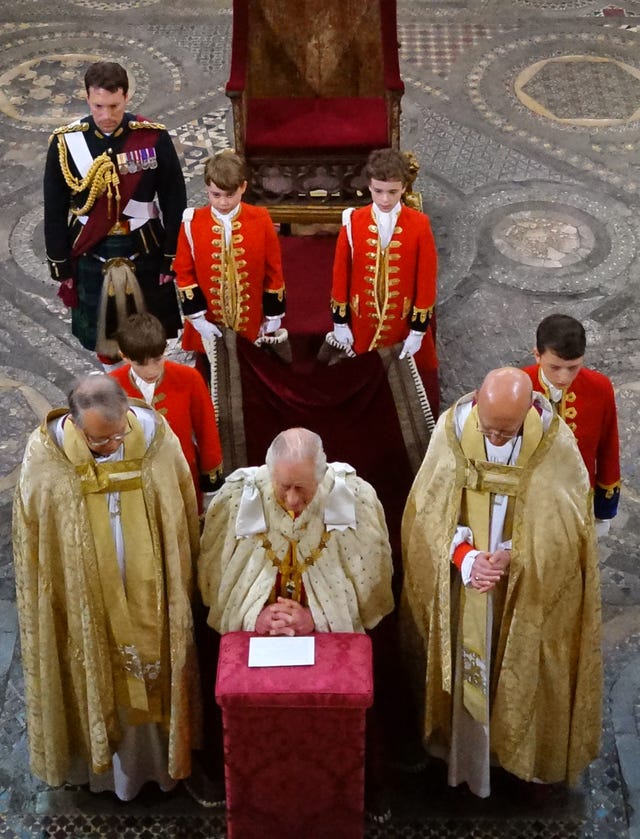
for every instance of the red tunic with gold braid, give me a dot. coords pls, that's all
(382, 294)
(237, 283)
(588, 407)
(181, 396)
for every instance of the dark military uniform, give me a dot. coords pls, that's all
(129, 194)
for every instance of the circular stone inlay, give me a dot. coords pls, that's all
(47, 89)
(581, 90)
(544, 239)
(556, 5)
(112, 6)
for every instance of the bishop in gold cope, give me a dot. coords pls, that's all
(500, 611)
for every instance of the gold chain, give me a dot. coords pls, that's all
(101, 176)
(291, 569)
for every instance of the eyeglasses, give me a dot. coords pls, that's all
(500, 435)
(103, 441)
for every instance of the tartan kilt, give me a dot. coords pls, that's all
(160, 300)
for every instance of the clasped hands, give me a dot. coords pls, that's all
(488, 568)
(285, 617)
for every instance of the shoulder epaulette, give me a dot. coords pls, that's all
(75, 126)
(137, 123)
(70, 129)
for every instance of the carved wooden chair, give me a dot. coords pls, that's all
(315, 86)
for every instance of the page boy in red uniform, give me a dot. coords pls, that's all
(384, 272)
(228, 263)
(584, 398)
(177, 392)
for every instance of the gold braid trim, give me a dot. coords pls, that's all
(69, 129)
(137, 123)
(609, 489)
(339, 308)
(421, 314)
(291, 568)
(102, 176)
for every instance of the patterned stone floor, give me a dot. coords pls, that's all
(525, 116)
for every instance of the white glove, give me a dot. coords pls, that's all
(343, 334)
(206, 329)
(602, 527)
(270, 325)
(412, 344)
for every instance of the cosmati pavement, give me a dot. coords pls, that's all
(524, 115)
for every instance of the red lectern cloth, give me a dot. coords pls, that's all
(341, 677)
(294, 740)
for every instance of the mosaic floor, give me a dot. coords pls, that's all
(525, 116)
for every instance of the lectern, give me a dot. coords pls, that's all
(294, 739)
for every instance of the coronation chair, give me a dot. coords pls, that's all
(315, 86)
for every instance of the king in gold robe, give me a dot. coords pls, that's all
(334, 557)
(514, 676)
(104, 551)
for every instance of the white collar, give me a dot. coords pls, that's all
(383, 218)
(554, 392)
(225, 217)
(147, 389)
(506, 454)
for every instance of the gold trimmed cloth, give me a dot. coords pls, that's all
(68, 650)
(348, 584)
(137, 611)
(545, 685)
(484, 481)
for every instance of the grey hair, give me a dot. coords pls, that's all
(294, 445)
(98, 391)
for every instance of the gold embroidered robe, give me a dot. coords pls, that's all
(348, 587)
(546, 675)
(68, 654)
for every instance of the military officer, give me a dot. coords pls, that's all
(114, 194)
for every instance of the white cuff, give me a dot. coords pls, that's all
(467, 565)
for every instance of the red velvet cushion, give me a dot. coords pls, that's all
(296, 124)
(340, 678)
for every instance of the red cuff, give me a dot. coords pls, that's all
(460, 552)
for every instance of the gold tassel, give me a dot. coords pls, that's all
(101, 176)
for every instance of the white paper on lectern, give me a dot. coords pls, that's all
(282, 651)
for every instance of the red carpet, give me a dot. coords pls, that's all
(307, 263)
